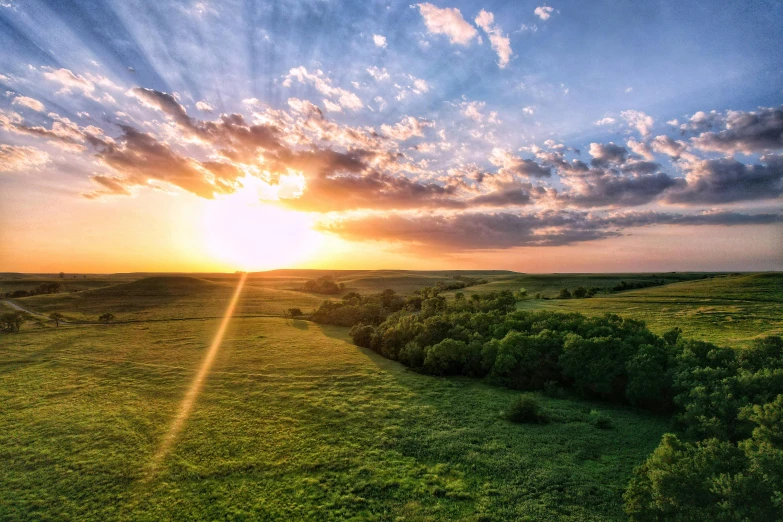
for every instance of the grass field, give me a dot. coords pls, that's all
(296, 423)
(729, 310)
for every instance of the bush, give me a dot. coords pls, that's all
(106, 318)
(525, 410)
(599, 420)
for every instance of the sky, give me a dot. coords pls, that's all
(244, 135)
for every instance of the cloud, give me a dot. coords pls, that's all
(378, 74)
(500, 42)
(494, 231)
(607, 153)
(640, 148)
(543, 12)
(69, 80)
(472, 110)
(407, 128)
(605, 121)
(638, 119)
(745, 132)
(15, 158)
(204, 106)
(30, 103)
(318, 79)
(670, 147)
(380, 41)
(139, 157)
(607, 188)
(511, 165)
(727, 180)
(448, 21)
(332, 107)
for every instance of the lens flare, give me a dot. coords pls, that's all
(192, 394)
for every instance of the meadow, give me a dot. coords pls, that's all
(297, 423)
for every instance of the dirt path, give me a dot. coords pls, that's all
(34, 314)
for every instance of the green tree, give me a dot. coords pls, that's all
(57, 317)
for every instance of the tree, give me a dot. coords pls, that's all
(294, 312)
(106, 318)
(62, 275)
(56, 317)
(564, 294)
(580, 292)
(11, 322)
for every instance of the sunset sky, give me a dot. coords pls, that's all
(225, 135)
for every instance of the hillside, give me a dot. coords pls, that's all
(729, 310)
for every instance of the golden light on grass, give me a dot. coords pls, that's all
(192, 394)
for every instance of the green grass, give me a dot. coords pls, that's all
(294, 423)
(167, 298)
(729, 310)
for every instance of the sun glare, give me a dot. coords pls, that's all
(247, 233)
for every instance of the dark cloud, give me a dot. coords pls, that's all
(728, 180)
(493, 231)
(609, 188)
(139, 157)
(746, 132)
(605, 154)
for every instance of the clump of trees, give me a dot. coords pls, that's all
(458, 283)
(625, 285)
(44, 288)
(323, 285)
(11, 322)
(580, 292)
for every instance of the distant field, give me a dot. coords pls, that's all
(729, 310)
(294, 423)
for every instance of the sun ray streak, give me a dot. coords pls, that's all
(192, 394)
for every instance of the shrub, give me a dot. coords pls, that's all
(106, 318)
(564, 294)
(525, 409)
(362, 335)
(599, 420)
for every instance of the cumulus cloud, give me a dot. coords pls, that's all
(746, 132)
(30, 103)
(407, 128)
(513, 165)
(379, 40)
(607, 153)
(500, 42)
(641, 121)
(15, 158)
(204, 106)
(605, 121)
(447, 21)
(346, 99)
(69, 80)
(473, 110)
(727, 180)
(378, 74)
(543, 12)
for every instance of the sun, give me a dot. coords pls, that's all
(247, 233)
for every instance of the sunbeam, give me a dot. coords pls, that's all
(195, 387)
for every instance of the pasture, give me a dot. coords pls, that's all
(294, 422)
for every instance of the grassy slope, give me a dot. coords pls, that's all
(293, 423)
(730, 310)
(168, 297)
